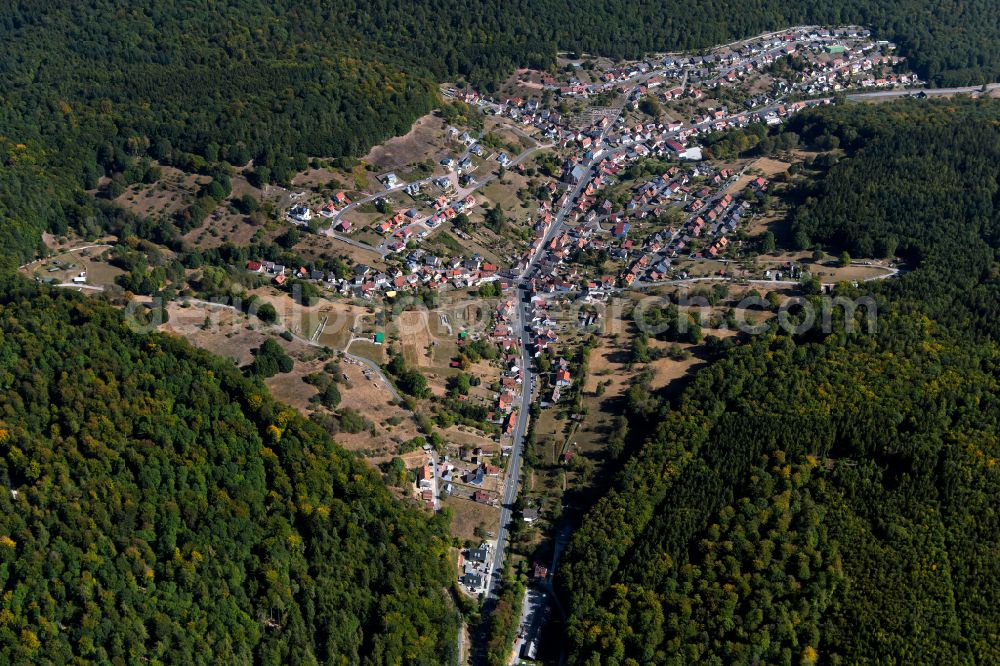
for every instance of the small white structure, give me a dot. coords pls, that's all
(300, 214)
(692, 154)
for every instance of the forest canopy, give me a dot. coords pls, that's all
(240, 79)
(160, 506)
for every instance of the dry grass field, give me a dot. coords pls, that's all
(175, 190)
(468, 515)
(65, 266)
(426, 140)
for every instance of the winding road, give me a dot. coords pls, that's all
(930, 92)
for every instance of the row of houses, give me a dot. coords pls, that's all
(649, 258)
(402, 226)
(529, 113)
(690, 74)
(711, 69)
(505, 336)
(853, 70)
(712, 213)
(421, 269)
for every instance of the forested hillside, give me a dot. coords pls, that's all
(333, 77)
(829, 498)
(921, 183)
(159, 507)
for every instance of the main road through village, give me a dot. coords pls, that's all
(509, 494)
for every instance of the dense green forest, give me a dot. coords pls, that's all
(828, 498)
(921, 183)
(254, 79)
(158, 506)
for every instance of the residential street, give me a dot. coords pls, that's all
(461, 193)
(513, 464)
(509, 493)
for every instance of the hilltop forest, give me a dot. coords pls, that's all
(829, 497)
(110, 88)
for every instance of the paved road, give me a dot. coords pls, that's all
(557, 222)
(73, 285)
(370, 198)
(461, 193)
(373, 197)
(374, 367)
(930, 92)
(509, 493)
(641, 285)
(356, 243)
(510, 488)
(381, 250)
